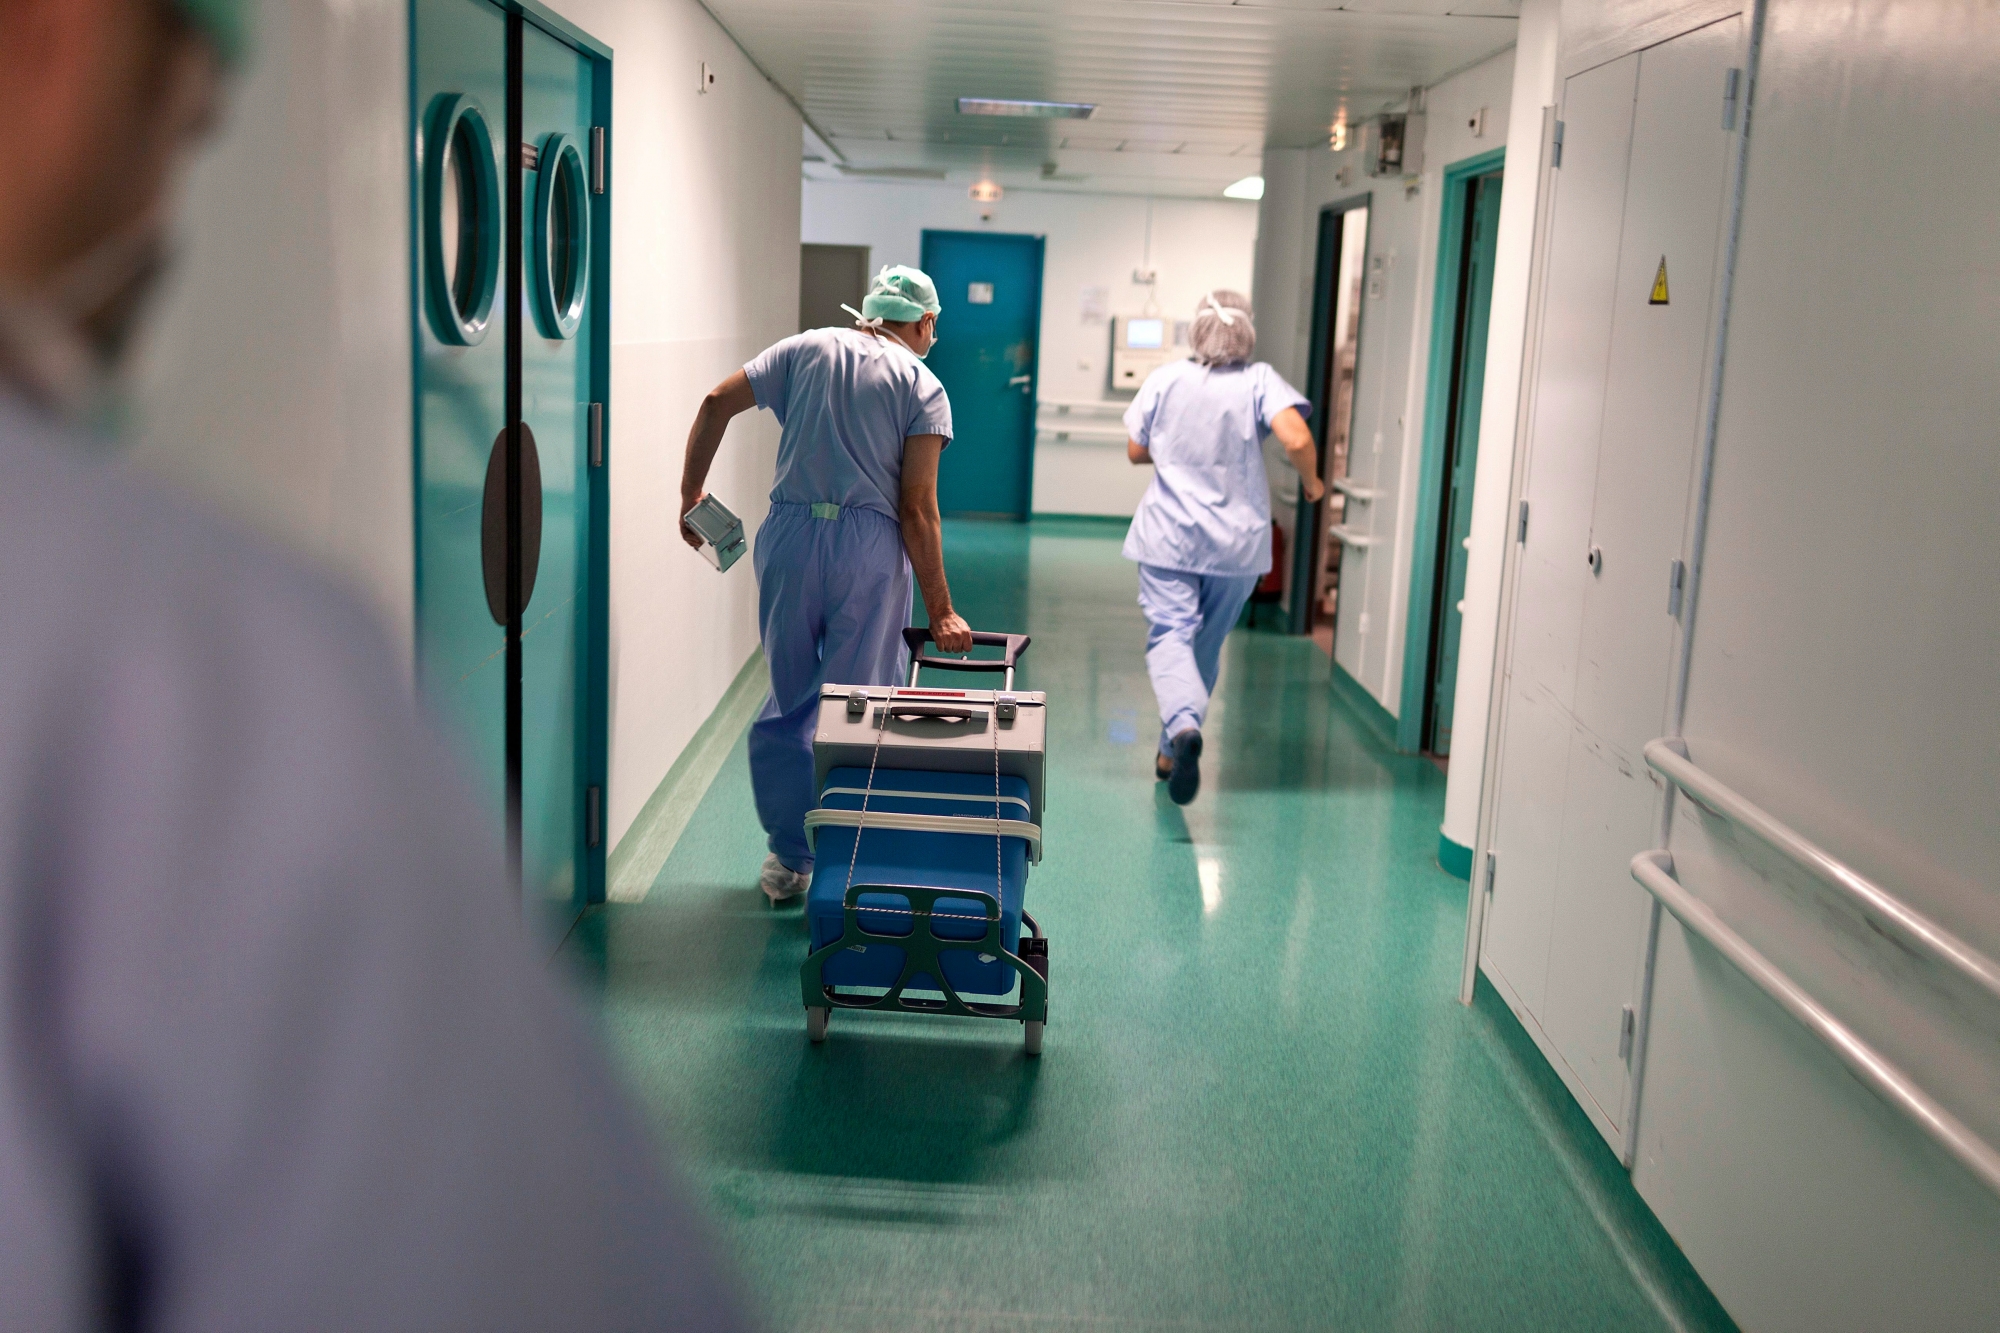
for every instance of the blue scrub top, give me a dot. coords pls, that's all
(1208, 510)
(846, 401)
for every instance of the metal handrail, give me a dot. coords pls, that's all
(1655, 872)
(1346, 536)
(1111, 409)
(1882, 909)
(1081, 434)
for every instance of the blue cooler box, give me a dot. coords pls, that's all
(926, 860)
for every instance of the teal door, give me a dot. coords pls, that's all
(459, 48)
(558, 104)
(511, 440)
(991, 289)
(1468, 384)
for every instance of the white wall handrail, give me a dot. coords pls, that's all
(1346, 536)
(1347, 487)
(1079, 434)
(1100, 409)
(1883, 909)
(1655, 872)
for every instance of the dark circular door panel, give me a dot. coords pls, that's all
(493, 523)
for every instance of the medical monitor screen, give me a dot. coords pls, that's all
(1145, 334)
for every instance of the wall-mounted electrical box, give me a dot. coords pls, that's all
(1141, 344)
(1393, 145)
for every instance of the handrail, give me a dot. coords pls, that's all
(1081, 434)
(1348, 488)
(1346, 536)
(1882, 908)
(1115, 409)
(1654, 871)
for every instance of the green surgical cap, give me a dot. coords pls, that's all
(901, 295)
(225, 22)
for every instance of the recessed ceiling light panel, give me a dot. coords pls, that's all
(1250, 187)
(1005, 106)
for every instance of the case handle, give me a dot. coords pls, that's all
(1015, 644)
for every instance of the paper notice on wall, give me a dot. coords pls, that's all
(1096, 304)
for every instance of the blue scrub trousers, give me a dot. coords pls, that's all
(833, 596)
(1189, 616)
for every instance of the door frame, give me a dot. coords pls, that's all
(594, 656)
(1041, 244)
(1307, 514)
(1420, 619)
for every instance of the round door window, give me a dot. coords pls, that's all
(562, 237)
(461, 220)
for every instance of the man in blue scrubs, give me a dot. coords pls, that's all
(275, 1051)
(853, 514)
(1202, 534)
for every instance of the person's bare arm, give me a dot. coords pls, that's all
(1300, 452)
(923, 538)
(725, 402)
(1138, 453)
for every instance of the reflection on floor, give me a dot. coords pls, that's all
(1261, 1106)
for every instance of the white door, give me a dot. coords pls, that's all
(1617, 417)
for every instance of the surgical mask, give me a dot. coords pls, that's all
(67, 341)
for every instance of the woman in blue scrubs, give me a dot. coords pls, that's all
(1202, 535)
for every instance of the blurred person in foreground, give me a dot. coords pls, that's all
(274, 1050)
(1202, 533)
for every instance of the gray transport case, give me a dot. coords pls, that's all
(942, 730)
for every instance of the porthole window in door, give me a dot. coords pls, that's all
(561, 237)
(461, 220)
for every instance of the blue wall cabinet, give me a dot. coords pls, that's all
(991, 289)
(511, 248)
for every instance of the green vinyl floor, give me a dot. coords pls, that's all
(1261, 1106)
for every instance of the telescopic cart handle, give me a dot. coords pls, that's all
(1014, 644)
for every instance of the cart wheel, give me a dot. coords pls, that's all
(1034, 1040)
(816, 1017)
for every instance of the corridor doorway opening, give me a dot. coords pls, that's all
(1320, 531)
(831, 276)
(1457, 380)
(989, 335)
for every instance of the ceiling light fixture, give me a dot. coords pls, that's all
(986, 191)
(1250, 187)
(1007, 106)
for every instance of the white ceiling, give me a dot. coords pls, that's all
(1188, 92)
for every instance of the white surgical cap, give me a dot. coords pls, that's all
(1222, 334)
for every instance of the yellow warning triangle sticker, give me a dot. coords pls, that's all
(1659, 296)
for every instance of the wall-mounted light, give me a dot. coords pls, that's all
(986, 191)
(1336, 139)
(1250, 187)
(1008, 106)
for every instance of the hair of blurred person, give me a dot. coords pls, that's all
(1222, 334)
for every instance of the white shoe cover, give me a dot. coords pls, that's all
(779, 883)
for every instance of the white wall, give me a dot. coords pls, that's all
(705, 254)
(275, 380)
(1841, 668)
(1390, 386)
(1093, 240)
(278, 380)
(1533, 89)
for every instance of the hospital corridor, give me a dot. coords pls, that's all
(994, 666)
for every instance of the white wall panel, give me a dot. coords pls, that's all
(1842, 655)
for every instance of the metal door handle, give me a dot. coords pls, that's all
(1019, 379)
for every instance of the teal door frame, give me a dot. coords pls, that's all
(1418, 629)
(593, 659)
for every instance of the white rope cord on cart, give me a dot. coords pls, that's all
(861, 821)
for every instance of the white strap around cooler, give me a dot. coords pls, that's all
(923, 796)
(981, 827)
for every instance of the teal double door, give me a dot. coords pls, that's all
(511, 239)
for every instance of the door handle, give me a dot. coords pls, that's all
(1019, 379)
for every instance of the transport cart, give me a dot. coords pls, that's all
(929, 816)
